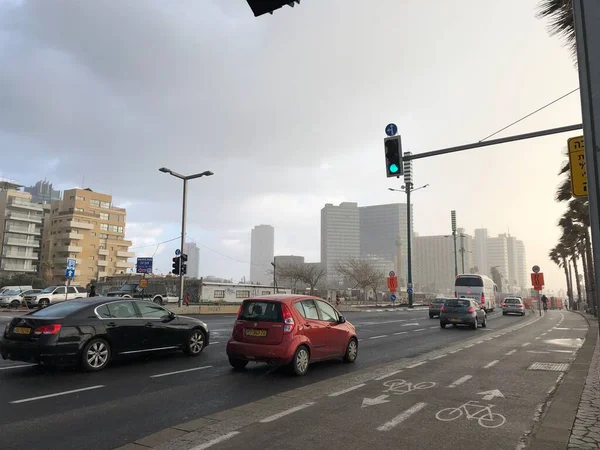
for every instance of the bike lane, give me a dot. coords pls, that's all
(479, 393)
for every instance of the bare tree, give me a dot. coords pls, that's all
(361, 272)
(311, 275)
(290, 272)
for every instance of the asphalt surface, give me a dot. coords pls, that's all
(68, 409)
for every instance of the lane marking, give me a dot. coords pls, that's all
(526, 344)
(179, 371)
(17, 367)
(402, 417)
(336, 394)
(416, 365)
(431, 328)
(439, 356)
(401, 332)
(460, 381)
(544, 334)
(391, 374)
(420, 329)
(563, 351)
(57, 394)
(491, 364)
(457, 350)
(469, 346)
(379, 337)
(549, 330)
(497, 336)
(216, 441)
(512, 352)
(411, 324)
(286, 412)
(536, 351)
(479, 342)
(537, 338)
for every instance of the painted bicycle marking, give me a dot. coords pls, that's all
(473, 410)
(401, 387)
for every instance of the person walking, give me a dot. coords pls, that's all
(92, 289)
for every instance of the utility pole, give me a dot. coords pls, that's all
(462, 251)
(274, 277)
(453, 220)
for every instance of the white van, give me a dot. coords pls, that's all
(477, 287)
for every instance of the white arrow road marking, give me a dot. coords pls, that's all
(402, 417)
(489, 395)
(374, 401)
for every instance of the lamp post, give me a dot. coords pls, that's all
(185, 179)
(408, 189)
(274, 277)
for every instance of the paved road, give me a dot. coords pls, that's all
(128, 401)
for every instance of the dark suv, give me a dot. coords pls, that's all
(156, 291)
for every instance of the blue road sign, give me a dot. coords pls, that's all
(393, 297)
(144, 265)
(177, 252)
(70, 273)
(71, 263)
(391, 129)
(409, 290)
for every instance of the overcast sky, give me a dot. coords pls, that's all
(288, 111)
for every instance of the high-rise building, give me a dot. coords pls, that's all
(480, 252)
(383, 236)
(193, 263)
(87, 227)
(20, 229)
(498, 256)
(42, 192)
(340, 238)
(262, 250)
(516, 263)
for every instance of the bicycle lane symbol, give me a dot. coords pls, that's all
(473, 410)
(401, 387)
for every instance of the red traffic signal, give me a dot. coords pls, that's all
(260, 7)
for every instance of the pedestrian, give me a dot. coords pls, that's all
(92, 289)
(187, 299)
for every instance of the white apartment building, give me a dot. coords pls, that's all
(480, 251)
(193, 263)
(340, 237)
(498, 256)
(262, 250)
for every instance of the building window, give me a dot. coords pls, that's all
(78, 210)
(104, 216)
(79, 197)
(104, 205)
(219, 294)
(104, 226)
(93, 233)
(120, 229)
(112, 228)
(104, 236)
(266, 292)
(72, 197)
(95, 203)
(242, 294)
(92, 258)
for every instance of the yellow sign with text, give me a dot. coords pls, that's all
(579, 185)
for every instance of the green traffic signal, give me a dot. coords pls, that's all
(394, 168)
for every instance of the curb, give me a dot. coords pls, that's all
(554, 429)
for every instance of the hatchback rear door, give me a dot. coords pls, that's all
(313, 328)
(259, 322)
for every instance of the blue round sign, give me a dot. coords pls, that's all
(409, 290)
(177, 252)
(393, 297)
(391, 129)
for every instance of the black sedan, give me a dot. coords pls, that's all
(92, 332)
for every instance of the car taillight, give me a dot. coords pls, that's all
(431, 305)
(471, 309)
(482, 298)
(240, 310)
(519, 305)
(503, 305)
(48, 329)
(443, 308)
(288, 320)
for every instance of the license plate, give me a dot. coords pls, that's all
(455, 320)
(256, 333)
(21, 330)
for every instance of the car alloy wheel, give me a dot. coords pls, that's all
(351, 351)
(300, 362)
(96, 355)
(15, 304)
(44, 302)
(195, 343)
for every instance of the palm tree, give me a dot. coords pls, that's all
(560, 15)
(47, 269)
(559, 255)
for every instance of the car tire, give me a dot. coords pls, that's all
(484, 323)
(431, 316)
(15, 304)
(238, 364)
(44, 303)
(158, 301)
(503, 313)
(522, 313)
(443, 325)
(300, 361)
(351, 351)
(195, 342)
(95, 355)
(474, 326)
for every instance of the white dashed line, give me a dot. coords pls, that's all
(216, 441)
(537, 351)
(460, 381)
(432, 328)
(479, 342)
(391, 374)
(399, 333)
(469, 346)
(439, 356)
(179, 371)
(402, 417)
(420, 329)
(544, 334)
(491, 364)
(512, 352)
(286, 412)
(416, 365)
(58, 394)
(526, 344)
(537, 338)
(379, 337)
(353, 388)
(457, 350)
(20, 366)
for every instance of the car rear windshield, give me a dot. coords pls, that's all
(469, 282)
(439, 300)
(62, 309)
(513, 301)
(262, 311)
(457, 303)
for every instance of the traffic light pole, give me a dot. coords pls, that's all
(409, 247)
(183, 216)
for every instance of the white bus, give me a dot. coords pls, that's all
(478, 287)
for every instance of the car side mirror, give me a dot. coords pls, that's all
(168, 317)
(342, 319)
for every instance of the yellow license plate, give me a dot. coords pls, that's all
(256, 333)
(455, 320)
(22, 330)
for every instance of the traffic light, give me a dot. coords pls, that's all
(176, 265)
(393, 156)
(183, 264)
(260, 7)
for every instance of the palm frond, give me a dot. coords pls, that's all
(559, 13)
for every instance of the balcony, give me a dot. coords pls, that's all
(84, 213)
(125, 265)
(75, 236)
(102, 263)
(102, 274)
(103, 252)
(69, 249)
(18, 268)
(80, 225)
(22, 242)
(25, 204)
(13, 228)
(124, 254)
(20, 255)
(24, 217)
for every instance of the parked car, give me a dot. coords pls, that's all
(94, 331)
(435, 306)
(15, 298)
(513, 305)
(54, 294)
(156, 291)
(292, 330)
(463, 311)
(5, 289)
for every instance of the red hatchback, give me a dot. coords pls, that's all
(290, 329)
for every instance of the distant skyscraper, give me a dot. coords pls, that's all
(193, 262)
(516, 263)
(43, 192)
(262, 249)
(433, 264)
(480, 251)
(340, 237)
(498, 256)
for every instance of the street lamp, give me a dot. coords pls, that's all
(408, 189)
(185, 179)
(274, 277)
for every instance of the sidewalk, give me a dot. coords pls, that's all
(571, 419)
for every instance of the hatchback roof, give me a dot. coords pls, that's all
(283, 298)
